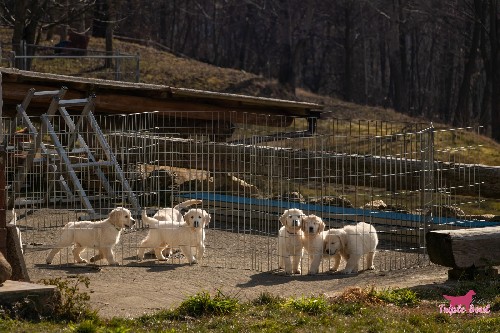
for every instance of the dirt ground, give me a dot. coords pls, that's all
(240, 264)
(133, 291)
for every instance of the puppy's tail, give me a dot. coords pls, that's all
(148, 220)
(187, 203)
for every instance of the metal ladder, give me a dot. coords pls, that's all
(36, 144)
(76, 146)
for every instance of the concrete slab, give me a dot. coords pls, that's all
(14, 291)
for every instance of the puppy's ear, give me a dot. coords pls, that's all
(114, 217)
(321, 226)
(207, 218)
(343, 239)
(326, 242)
(303, 226)
(283, 217)
(188, 219)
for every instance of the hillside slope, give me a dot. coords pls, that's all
(160, 67)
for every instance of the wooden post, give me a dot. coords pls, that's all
(3, 218)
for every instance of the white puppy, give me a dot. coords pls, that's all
(290, 241)
(351, 243)
(174, 214)
(188, 236)
(313, 240)
(101, 235)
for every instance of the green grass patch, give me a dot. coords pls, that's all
(310, 305)
(399, 297)
(204, 304)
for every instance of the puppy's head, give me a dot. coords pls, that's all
(335, 241)
(292, 219)
(197, 218)
(312, 225)
(120, 217)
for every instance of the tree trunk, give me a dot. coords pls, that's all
(495, 68)
(286, 72)
(348, 52)
(462, 114)
(397, 62)
(110, 25)
(100, 18)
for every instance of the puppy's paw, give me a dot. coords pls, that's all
(81, 261)
(115, 263)
(95, 258)
(348, 272)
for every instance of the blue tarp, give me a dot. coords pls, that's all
(309, 208)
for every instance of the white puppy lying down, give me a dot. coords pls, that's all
(188, 236)
(351, 243)
(313, 241)
(101, 235)
(290, 241)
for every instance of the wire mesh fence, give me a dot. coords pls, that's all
(246, 176)
(76, 62)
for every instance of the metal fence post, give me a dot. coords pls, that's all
(12, 59)
(137, 67)
(117, 66)
(24, 54)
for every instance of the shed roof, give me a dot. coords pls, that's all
(125, 97)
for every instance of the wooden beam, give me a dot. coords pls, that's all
(124, 97)
(464, 248)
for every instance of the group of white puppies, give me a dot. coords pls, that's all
(168, 229)
(301, 233)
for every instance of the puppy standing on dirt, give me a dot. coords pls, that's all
(290, 241)
(313, 241)
(188, 236)
(351, 243)
(173, 215)
(102, 235)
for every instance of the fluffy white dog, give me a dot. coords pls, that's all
(351, 243)
(188, 236)
(290, 241)
(313, 240)
(101, 235)
(174, 214)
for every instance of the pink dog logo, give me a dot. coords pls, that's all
(462, 304)
(464, 300)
